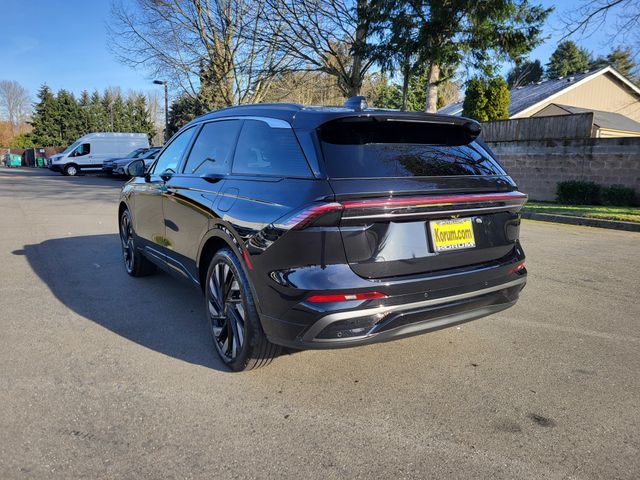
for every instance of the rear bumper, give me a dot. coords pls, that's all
(383, 322)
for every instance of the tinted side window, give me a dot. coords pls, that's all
(173, 153)
(263, 150)
(211, 152)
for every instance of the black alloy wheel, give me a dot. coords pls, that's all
(233, 319)
(135, 263)
(226, 312)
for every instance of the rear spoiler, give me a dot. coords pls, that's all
(384, 127)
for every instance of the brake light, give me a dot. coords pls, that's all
(310, 214)
(517, 267)
(304, 217)
(435, 200)
(345, 297)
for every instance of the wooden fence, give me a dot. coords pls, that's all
(557, 127)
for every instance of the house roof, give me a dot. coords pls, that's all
(529, 96)
(607, 120)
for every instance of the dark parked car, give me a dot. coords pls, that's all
(108, 165)
(314, 227)
(119, 166)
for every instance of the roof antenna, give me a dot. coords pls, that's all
(358, 103)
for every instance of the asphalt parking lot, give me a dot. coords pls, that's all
(106, 376)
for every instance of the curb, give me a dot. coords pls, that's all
(586, 222)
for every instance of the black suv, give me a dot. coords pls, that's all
(318, 227)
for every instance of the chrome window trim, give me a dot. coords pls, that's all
(272, 122)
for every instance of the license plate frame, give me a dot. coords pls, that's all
(452, 234)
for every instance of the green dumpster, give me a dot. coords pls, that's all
(40, 162)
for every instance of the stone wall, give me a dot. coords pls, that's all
(537, 166)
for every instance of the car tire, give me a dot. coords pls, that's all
(136, 264)
(234, 323)
(71, 170)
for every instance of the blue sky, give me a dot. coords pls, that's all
(64, 43)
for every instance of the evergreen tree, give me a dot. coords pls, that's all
(69, 119)
(84, 103)
(119, 114)
(568, 58)
(107, 111)
(129, 115)
(525, 73)
(387, 95)
(45, 128)
(59, 120)
(497, 106)
(22, 141)
(417, 92)
(430, 34)
(141, 122)
(209, 97)
(184, 109)
(620, 58)
(97, 118)
(475, 100)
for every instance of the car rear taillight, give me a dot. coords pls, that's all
(345, 297)
(326, 214)
(436, 200)
(308, 215)
(518, 267)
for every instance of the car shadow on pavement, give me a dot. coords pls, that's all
(158, 312)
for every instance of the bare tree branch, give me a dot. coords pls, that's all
(15, 104)
(592, 16)
(327, 36)
(215, 50)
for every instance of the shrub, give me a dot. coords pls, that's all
(497, 107)
(475, 100)
(578, 192)
(618, 195)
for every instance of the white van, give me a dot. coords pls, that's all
(88, 152)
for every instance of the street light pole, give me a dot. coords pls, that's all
(166, 106)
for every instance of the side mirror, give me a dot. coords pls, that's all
(135, 168)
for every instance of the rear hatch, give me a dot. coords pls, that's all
(418, 194)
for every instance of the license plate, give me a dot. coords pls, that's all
(454, 234)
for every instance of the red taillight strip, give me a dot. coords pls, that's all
(435, 200)
(345, 297)
(306, 216)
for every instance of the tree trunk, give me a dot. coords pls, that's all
(355, 82)
(405, 87)
(432, 88)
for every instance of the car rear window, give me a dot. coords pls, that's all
(373, 148)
